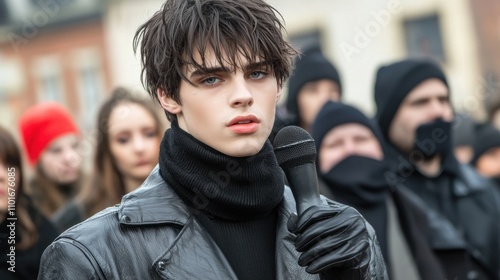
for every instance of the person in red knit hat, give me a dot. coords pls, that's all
(51, 143)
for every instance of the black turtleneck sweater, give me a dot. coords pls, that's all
(234, 199)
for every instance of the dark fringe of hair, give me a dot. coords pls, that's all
(183, 29)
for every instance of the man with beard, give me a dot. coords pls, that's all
(415, 116)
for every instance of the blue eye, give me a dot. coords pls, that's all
(257, 75)
(210, 80)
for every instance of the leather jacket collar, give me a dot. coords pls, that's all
(154, 202)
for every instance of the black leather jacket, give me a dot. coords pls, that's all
(152, 235)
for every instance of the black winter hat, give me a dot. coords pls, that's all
(333, 114)
(311, 66)
(487, 137)
(393, 83)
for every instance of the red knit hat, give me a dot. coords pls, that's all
(41, 124)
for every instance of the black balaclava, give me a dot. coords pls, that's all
(333, 114)
(356, 180)
(487, 137)
(433, 138)
(311, 66)
(395, 81)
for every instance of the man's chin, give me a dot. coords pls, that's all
(247, 149)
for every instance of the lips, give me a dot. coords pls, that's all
(244, 124)
(142, 162)
(243, 120)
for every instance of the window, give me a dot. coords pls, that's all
(307, 41)
(423, 37)
(47, 72)
(50, 88)
(87, 66)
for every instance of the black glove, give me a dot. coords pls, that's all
(333, 240)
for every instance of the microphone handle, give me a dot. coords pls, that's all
(303, 181)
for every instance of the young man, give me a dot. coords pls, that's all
(415, 116)
(216, 207)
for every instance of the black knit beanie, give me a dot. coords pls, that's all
(487, 137)
(393, 83)
(333, 114)
(311, 66)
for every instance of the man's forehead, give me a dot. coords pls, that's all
(211, 60)
(428, 89)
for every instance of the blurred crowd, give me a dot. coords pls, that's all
(426, 177)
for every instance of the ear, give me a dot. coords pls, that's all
(168, 103)
(278, 94)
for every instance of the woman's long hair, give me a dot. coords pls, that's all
(49, 196)
(11, 157)
(106, 186)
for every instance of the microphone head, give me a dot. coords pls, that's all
(293, 146)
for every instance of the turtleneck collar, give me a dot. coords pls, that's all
(221, 186)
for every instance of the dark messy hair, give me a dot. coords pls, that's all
(172, 38)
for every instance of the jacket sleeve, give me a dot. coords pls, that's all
(67, 259)
(375, 270)
(377, 264)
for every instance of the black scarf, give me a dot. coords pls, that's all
(433, 138)
(360, 182)
(221, 186)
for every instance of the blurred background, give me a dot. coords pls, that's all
(76, 51)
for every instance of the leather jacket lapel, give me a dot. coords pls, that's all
(194, 254)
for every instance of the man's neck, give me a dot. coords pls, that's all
(431, 167)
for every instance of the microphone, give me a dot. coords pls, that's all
(296, 154)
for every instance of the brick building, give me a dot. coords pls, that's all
(52, 50)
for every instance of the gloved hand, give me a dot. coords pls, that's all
(333, 240)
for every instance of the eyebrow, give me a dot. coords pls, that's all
(217, 69)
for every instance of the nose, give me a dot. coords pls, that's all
(437, 110)
(71, 157)
(139, 144)
(241, 93)
(349, 148)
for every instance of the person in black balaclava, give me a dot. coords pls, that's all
(314, 81)
(415, 116)
(486, 158)
(352, 171)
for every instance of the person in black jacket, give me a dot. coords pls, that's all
(24, 231)
(415, 115)
(352, 170)
(216, 206)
